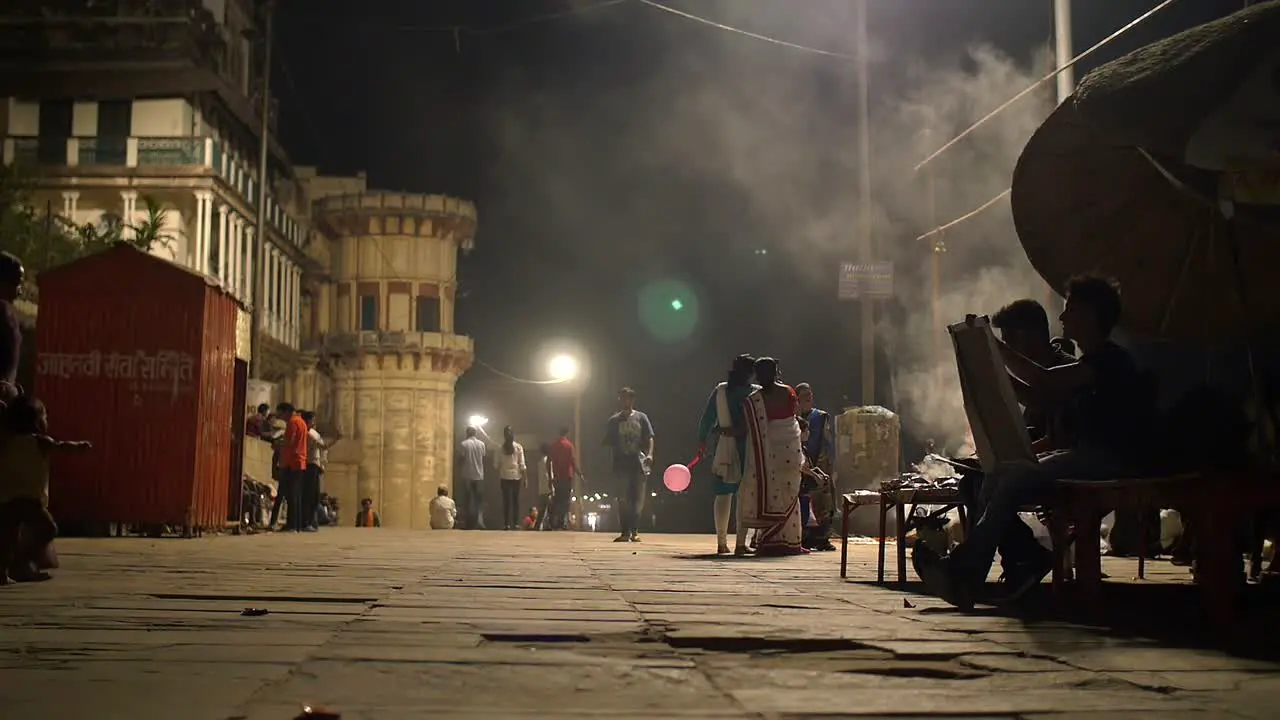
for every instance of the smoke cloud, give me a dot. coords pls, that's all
(718, 144)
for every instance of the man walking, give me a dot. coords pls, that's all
(563, 457)
(629, 435)
(471, 454)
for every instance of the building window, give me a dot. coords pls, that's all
(55, 129)
(368, 312)
(428, 314)
(115, 124)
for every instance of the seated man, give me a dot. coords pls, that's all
(1113, 413)
(1024, 326)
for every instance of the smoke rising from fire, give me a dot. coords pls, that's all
(719, 144)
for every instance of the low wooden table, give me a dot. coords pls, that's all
(898, 500)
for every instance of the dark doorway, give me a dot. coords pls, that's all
(235, 486)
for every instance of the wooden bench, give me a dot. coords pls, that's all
(1212, 504)
(897, 500)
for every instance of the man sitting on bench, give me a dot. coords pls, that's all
(1113, 411)
(1024, 326)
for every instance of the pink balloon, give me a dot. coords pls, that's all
(677, 478)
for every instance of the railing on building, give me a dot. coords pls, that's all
(155, 153)
(140, 30)
(399, 341)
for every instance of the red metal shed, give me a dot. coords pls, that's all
(138, 356)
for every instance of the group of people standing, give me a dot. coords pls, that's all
(771, 449)
(299, 453)
(557, 467)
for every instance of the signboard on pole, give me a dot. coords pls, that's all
(866, 281)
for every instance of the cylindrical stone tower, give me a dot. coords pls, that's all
(391, 347)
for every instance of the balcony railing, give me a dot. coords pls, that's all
(376, 341)
(137, 30)
(152, 153)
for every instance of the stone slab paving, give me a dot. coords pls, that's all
(384, 624)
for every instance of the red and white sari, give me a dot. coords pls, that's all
(769, 498)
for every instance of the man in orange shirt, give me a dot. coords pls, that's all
(293, 463)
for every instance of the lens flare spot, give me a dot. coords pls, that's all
(668, 309)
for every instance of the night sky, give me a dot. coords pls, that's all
(581, 140)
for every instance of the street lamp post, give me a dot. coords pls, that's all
(866, 242)
(1063, 50)
(563, 369)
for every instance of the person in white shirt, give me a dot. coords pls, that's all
(313, 476)
(544, 488)
(443, 510)
(513, 475)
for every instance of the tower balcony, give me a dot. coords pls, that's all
(443, 352)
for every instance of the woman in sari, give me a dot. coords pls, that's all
(770, 496)
(723, 429)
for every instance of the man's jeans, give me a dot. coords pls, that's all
(631, 483)
(310, 515)
(1018, 545)
(510, 503)
(561, 493)
(472, 503)
(1014, 486)
(289, 491)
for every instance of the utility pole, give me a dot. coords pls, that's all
(937, 246)
(867, 247)
(577, 448)
(260, 232)
(1064, 51)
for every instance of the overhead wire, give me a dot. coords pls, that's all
(951, 143)
(1033, 86)
(747, 33)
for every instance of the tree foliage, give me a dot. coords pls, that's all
(43, 239)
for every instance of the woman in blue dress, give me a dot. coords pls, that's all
(722, 431)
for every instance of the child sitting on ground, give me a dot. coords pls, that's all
(26, 527)
(367, 517)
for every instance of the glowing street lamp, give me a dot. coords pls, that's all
(563, 368)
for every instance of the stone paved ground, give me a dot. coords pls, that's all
(382, 624)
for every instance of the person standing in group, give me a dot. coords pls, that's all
(12, 275)
(818, 488)
(544, 487)
(313, 476)
(770, 493)
(471, 454)
(255, 425)
(293, 465)
(513, 474)
(563, 458)
(629, 435)
(723, 432)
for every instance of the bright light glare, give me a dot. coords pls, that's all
(592, 521)
(677, 304)
(563, 367)
(477, 421)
